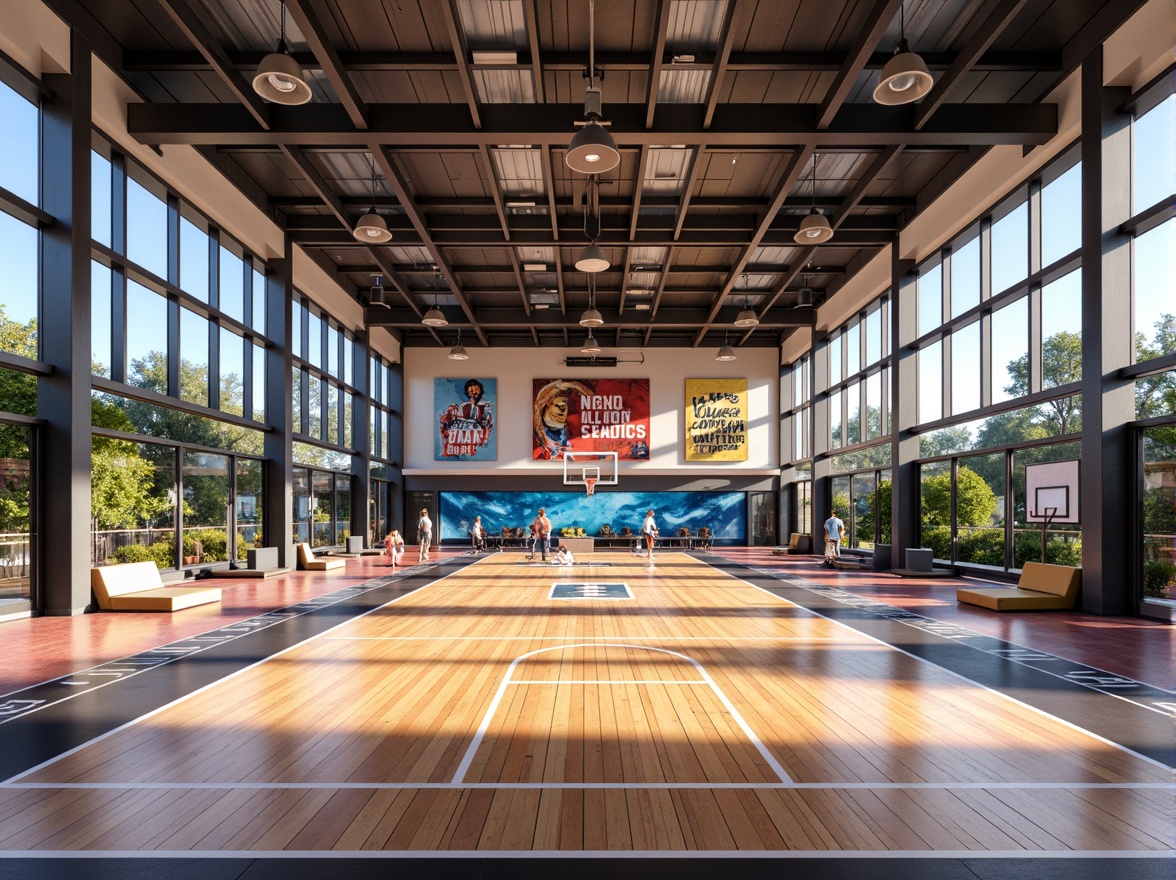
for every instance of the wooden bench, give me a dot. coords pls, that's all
(308, 562)
(1040, 588)
(137, 586)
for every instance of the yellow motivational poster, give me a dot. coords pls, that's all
(716, 420)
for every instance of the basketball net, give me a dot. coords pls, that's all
(590, 485)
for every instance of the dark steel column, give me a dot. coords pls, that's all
(819, 441)
(361, 441)
(278, 511)
(394, 444)
(63, 398)
(1108, 402)
(904, 411)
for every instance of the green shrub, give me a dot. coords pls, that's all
(134, 553)
(1159, 576)
(985, 547)
(938, 539)
(1059, 551)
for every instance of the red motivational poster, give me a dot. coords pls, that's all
(591, 415)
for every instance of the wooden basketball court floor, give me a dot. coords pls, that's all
(682, 709)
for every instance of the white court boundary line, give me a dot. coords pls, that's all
(468, 758)
(954, 674)
(587, 786)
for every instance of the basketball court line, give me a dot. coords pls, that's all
(560, 854)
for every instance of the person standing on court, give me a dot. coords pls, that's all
(393, 548)
(834, 530)
(424, 535)
(541, 534)
(478, 535)
(649, 530)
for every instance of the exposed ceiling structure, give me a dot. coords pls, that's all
(733, 119)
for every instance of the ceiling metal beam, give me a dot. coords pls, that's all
(399, 184)
(734, 125)
(485, 202)
(308, 15)
(696, 164)
(735, 9)
(214, 54)
(550, 319)
(999, 17)
(635, 209)
(138, 61)
(655, 65)
(872, 30)
(671, 253)
(531, 16)
(408, 269)
(461, 52)
(491, 179)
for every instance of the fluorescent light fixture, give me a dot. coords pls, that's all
(495, 56)
(683, 59)
(641, 307)
(534, 267)
(521, 204)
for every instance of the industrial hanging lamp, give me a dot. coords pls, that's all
(905, 77)
(372, 228)
(592, 150)
(726, 353)
(591, 318)
(592, 257)
(591, 346)
(747, 317)
(458, 352)
(814, 228)
(279, 77)
(434, 317)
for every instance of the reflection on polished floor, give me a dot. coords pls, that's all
(728, 706)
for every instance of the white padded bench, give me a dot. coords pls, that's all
(136, 586)
(308, 562)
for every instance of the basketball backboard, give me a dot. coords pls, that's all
(1051, 492)
(580, 467)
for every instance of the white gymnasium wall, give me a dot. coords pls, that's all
(666, 369)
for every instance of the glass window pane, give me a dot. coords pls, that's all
(980, 492)
(333, 351)
(249, 505)
(100, 317)
(965, 369)
(314, 343)
(258, 383)
(232, 284)
(1010, 248)
(1158, 515)
(798, 450)
(101, 183)
(1010, 351)
(342, 508)
(259, 302)
(1065, 539)
(873, 336)
(1061, 331)
(299, 321)
(193, 259)
(1154, 155)
(332, 414)
(346, 404)
(348, 355)
(232, 372)
(1061, 214)
(935, 508)
(301, 503)
(886, 408)
(18, 293)
(322, 508)
(853, 420)
(206, 511)
(835, 429)
(853, 349)
(874, 406)
(374, 439)
(1154, 283)
(965, 277)
(835, 359)
(931, 383)
(147, 353)
(146, 229)
(296, 401)
(314, 407)
(148, 472)
(930, 298)
(193, 357)
(20, 142)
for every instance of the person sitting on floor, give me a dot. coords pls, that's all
(563, 556)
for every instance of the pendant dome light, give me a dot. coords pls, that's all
(279, 77)
(458, 352)
(592, 257)
(434, 317)
(814, 228)
(747, 317)
(592, 150)
(591, 346)
(372, 228)
(905, 77)
(591, 318)
(726, 353)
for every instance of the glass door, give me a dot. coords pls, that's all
(415, 503)
(762, 516)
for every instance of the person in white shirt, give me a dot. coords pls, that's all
(424, 535)
(834, 530)
(478, 535)
(563, 556)
(649, 530)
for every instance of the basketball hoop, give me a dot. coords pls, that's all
(590, 485)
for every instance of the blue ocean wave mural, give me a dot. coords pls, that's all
(724, 513)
